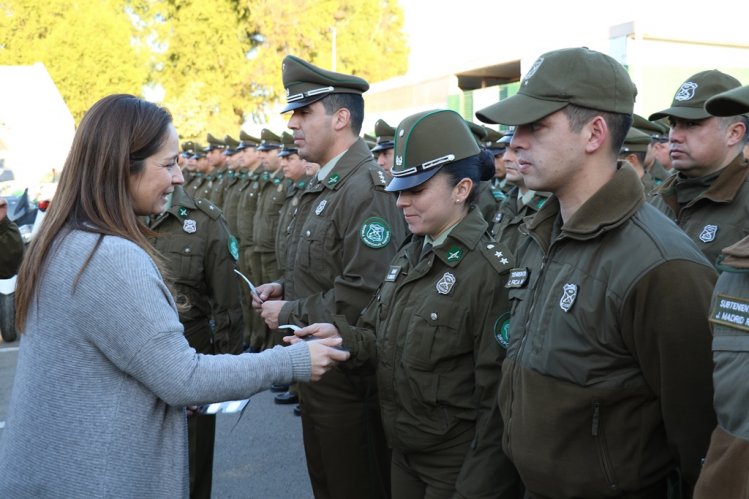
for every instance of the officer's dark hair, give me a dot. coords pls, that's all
(618, 124)
(353, 102)
(476, 168)
(110, 146)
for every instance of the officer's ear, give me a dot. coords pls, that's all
(736, 132)
(341, 119)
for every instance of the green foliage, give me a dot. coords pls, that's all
(218, 61)
(89, 47)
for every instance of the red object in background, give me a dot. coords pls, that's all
(43, 205)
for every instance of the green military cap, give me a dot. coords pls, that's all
(729, 103)
(214, 143)
(689, 101)
(268, 140)
(188, 149)
(635, 141)
(491, 141)
(507, 137)
(289, 147)
(198, 153)
(231, 145)
(385, 136)
(577, 76)
(658, 130)
(246, 140)
(427, 141)
(371, 140)
(478, 131)
(305, 83)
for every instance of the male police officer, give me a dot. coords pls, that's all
(383, 149)
(345, 232)
(604, 391)
(725, 471)
(709, 195)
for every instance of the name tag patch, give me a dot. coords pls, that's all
(392, 274)
(731, 311)
(518, 278)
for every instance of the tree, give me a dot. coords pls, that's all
(90, 49)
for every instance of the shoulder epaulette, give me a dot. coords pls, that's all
(498, 255)
(379, 178)
(208, 208)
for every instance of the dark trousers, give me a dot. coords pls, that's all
(201, 432)
(344, 443)
(431, 474)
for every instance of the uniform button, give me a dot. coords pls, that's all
(187, 250)
(433, 316)
(308, 233)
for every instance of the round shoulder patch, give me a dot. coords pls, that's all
(502, 330)
(233, 247)
(375, 232)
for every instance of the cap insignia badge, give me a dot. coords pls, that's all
(686, 91)
(533, 70)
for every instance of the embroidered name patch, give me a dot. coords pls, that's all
(393, 272)
(518, 278)
(732, 312)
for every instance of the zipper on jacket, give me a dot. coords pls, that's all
(603, 452)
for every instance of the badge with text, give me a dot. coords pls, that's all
(502, 330)
(393, 272)
(518, 278)
(446, 283)
(375, 232)
(190, 226)
(708, 233)
(732, 312)
(569, 295)
(321, 206)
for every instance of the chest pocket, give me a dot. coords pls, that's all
(436, 334)
(184, 255)
(316, 241)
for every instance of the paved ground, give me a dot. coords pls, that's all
(258, 456)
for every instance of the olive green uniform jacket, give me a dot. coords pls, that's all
(286, 215)
(201, 255)
(218, 184)
(715, 217)
(247, 207)
(270, 200)
(507, 221)
(231, 197)
(345, 233)
(196, 184)
(606, 386)
(11, 248)
(726, 469)
(434, 333)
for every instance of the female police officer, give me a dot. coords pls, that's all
(435, 331)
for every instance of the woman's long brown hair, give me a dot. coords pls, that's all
(111, 144)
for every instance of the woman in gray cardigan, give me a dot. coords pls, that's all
(104, 372)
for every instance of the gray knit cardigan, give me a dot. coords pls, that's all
(104, 374)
